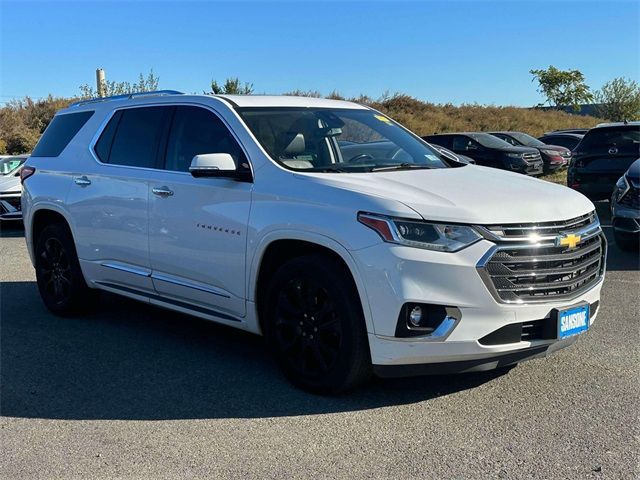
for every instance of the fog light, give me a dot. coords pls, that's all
(415, 317)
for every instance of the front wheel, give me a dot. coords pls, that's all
(315, 326)
(60, 280)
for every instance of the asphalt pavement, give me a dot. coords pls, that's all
(133, 391)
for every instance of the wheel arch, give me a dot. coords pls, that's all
(40, 217)
(285, 245)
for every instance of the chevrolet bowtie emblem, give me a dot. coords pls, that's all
(569, 240)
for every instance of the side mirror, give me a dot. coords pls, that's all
(217, 165)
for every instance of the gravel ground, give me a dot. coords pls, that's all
(138, 392)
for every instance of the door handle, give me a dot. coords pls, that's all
(162, 191)
(83, 181)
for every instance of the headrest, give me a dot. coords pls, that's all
(291, 143)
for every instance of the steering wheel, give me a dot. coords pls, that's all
(359, 158)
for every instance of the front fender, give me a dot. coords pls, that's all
(311, 237)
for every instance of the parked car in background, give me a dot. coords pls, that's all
(286, 216)
(9, 164)
(490, 151)
(568, 140)
(454, 156)
(625, 209)
(602, 157)
(10, 187)
(554, 157)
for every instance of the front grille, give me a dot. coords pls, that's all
(523, 231)
(531, 157)
(527, 265)
(10, 205)
(631, 199)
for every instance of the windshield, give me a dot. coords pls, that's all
(337, 140)
(527, 140)
(9, 165)
(489, 141)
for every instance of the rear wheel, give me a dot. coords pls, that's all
(315, 326)
(60, 280)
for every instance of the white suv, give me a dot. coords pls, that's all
(345, 239)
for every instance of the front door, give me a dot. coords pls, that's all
(198, 226)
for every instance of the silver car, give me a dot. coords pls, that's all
(10, 187)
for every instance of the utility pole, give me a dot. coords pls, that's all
(100, 82)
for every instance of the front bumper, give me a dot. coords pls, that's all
(395, 275)
(480, 364)
(553, 164)
(10, 208)
(528, 168)
(625, 219)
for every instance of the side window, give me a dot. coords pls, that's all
(104, 143)
(461, 144)
(508, 139)
(196, 131)
(59, 133)
(442, 140)
(137, 137)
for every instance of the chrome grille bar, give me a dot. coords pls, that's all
(517, 270)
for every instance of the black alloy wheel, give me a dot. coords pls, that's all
(56, 271)
(307, 327)
(58, 274)
(315, 325)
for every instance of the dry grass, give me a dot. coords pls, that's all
(559, 177)
(427, 118)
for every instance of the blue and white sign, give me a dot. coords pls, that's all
(572, 321)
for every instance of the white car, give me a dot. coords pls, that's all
(345, 239)
(10, 187)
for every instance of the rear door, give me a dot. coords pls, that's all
(198, 226)
(109, 199)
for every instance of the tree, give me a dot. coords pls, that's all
(21, 140)
(232, 86)
(562, 87)
(619, 100)
(148, 84)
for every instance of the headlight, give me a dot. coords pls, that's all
(622, 187)
(431, 236)
(515, 155)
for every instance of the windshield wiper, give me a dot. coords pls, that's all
(323, 170)
(400, 166)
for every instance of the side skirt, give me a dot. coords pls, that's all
(176, 305)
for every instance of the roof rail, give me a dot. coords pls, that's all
(126, 96)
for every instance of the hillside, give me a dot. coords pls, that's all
(427, 118)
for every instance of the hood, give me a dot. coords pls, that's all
(10, 183)
(514, 149)
(556, 148)
(633, 174)
(470, 194)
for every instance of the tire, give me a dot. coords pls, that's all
(629, 242)
(315, 326)
(60, 280)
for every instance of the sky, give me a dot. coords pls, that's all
(442, 52)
